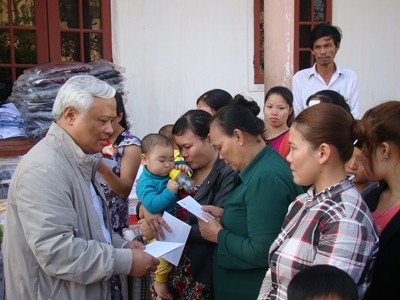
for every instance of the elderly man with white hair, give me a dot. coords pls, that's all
(58, 241)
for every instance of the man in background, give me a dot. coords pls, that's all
(325, 74)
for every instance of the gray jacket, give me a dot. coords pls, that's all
(54, 247)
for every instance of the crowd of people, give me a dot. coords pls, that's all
(305, 204)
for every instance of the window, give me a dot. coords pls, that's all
(80, 31)
(308, 13)
(258, 60)
(35, 32)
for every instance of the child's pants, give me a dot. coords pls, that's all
(163, 269)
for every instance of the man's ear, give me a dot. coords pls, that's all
(324, 153)
(337, 47)
(69, 115)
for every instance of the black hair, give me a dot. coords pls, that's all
(322, 280)
(154, 139)
(330, 96)
(121, 109)
(287, 95)
(242, 115)
(215, 98)
(166, 130)
(197, 121)
(325, 29)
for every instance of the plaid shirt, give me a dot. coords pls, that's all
(334, 227)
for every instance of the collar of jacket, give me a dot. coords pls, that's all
(86, 163)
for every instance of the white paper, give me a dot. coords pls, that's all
(179, 234)
(194, 207)
(160, 248)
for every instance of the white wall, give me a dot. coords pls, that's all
(175, 50)
(371, 47)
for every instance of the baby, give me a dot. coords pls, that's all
(157, 192)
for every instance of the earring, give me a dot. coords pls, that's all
(385, 157)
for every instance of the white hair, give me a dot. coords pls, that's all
(78, 92)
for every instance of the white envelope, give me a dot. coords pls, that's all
(194, 207)
(158, 248)
(172, 247)
(179, 234)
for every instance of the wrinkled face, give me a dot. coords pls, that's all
(203, 106)
(198, 153)
(228, 147)
(355, 167)
(324, 50)
(160, 160)
(276, 111)
(90, 131)
(302, 158)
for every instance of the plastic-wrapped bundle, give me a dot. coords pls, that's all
(35, 90)
(109, 72)
(38, 127)
(102, 66)
(54, 68)
(11, 122)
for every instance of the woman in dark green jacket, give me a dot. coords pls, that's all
(254, 212)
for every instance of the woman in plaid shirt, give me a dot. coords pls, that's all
(330, 224)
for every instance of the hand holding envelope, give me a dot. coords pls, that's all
(215, 211)
(194, 207)
(209, 226)
(171, 247)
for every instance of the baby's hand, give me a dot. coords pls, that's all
(172, 186)
(185, 169)
(109, 150)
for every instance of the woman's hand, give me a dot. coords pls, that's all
(185, 169)
(147, 232)
(110, 150)
(209, 231)
(214, 210)
(154, 222)
(130, 162)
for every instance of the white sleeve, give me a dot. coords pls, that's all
(353, 100)
(297, 99)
